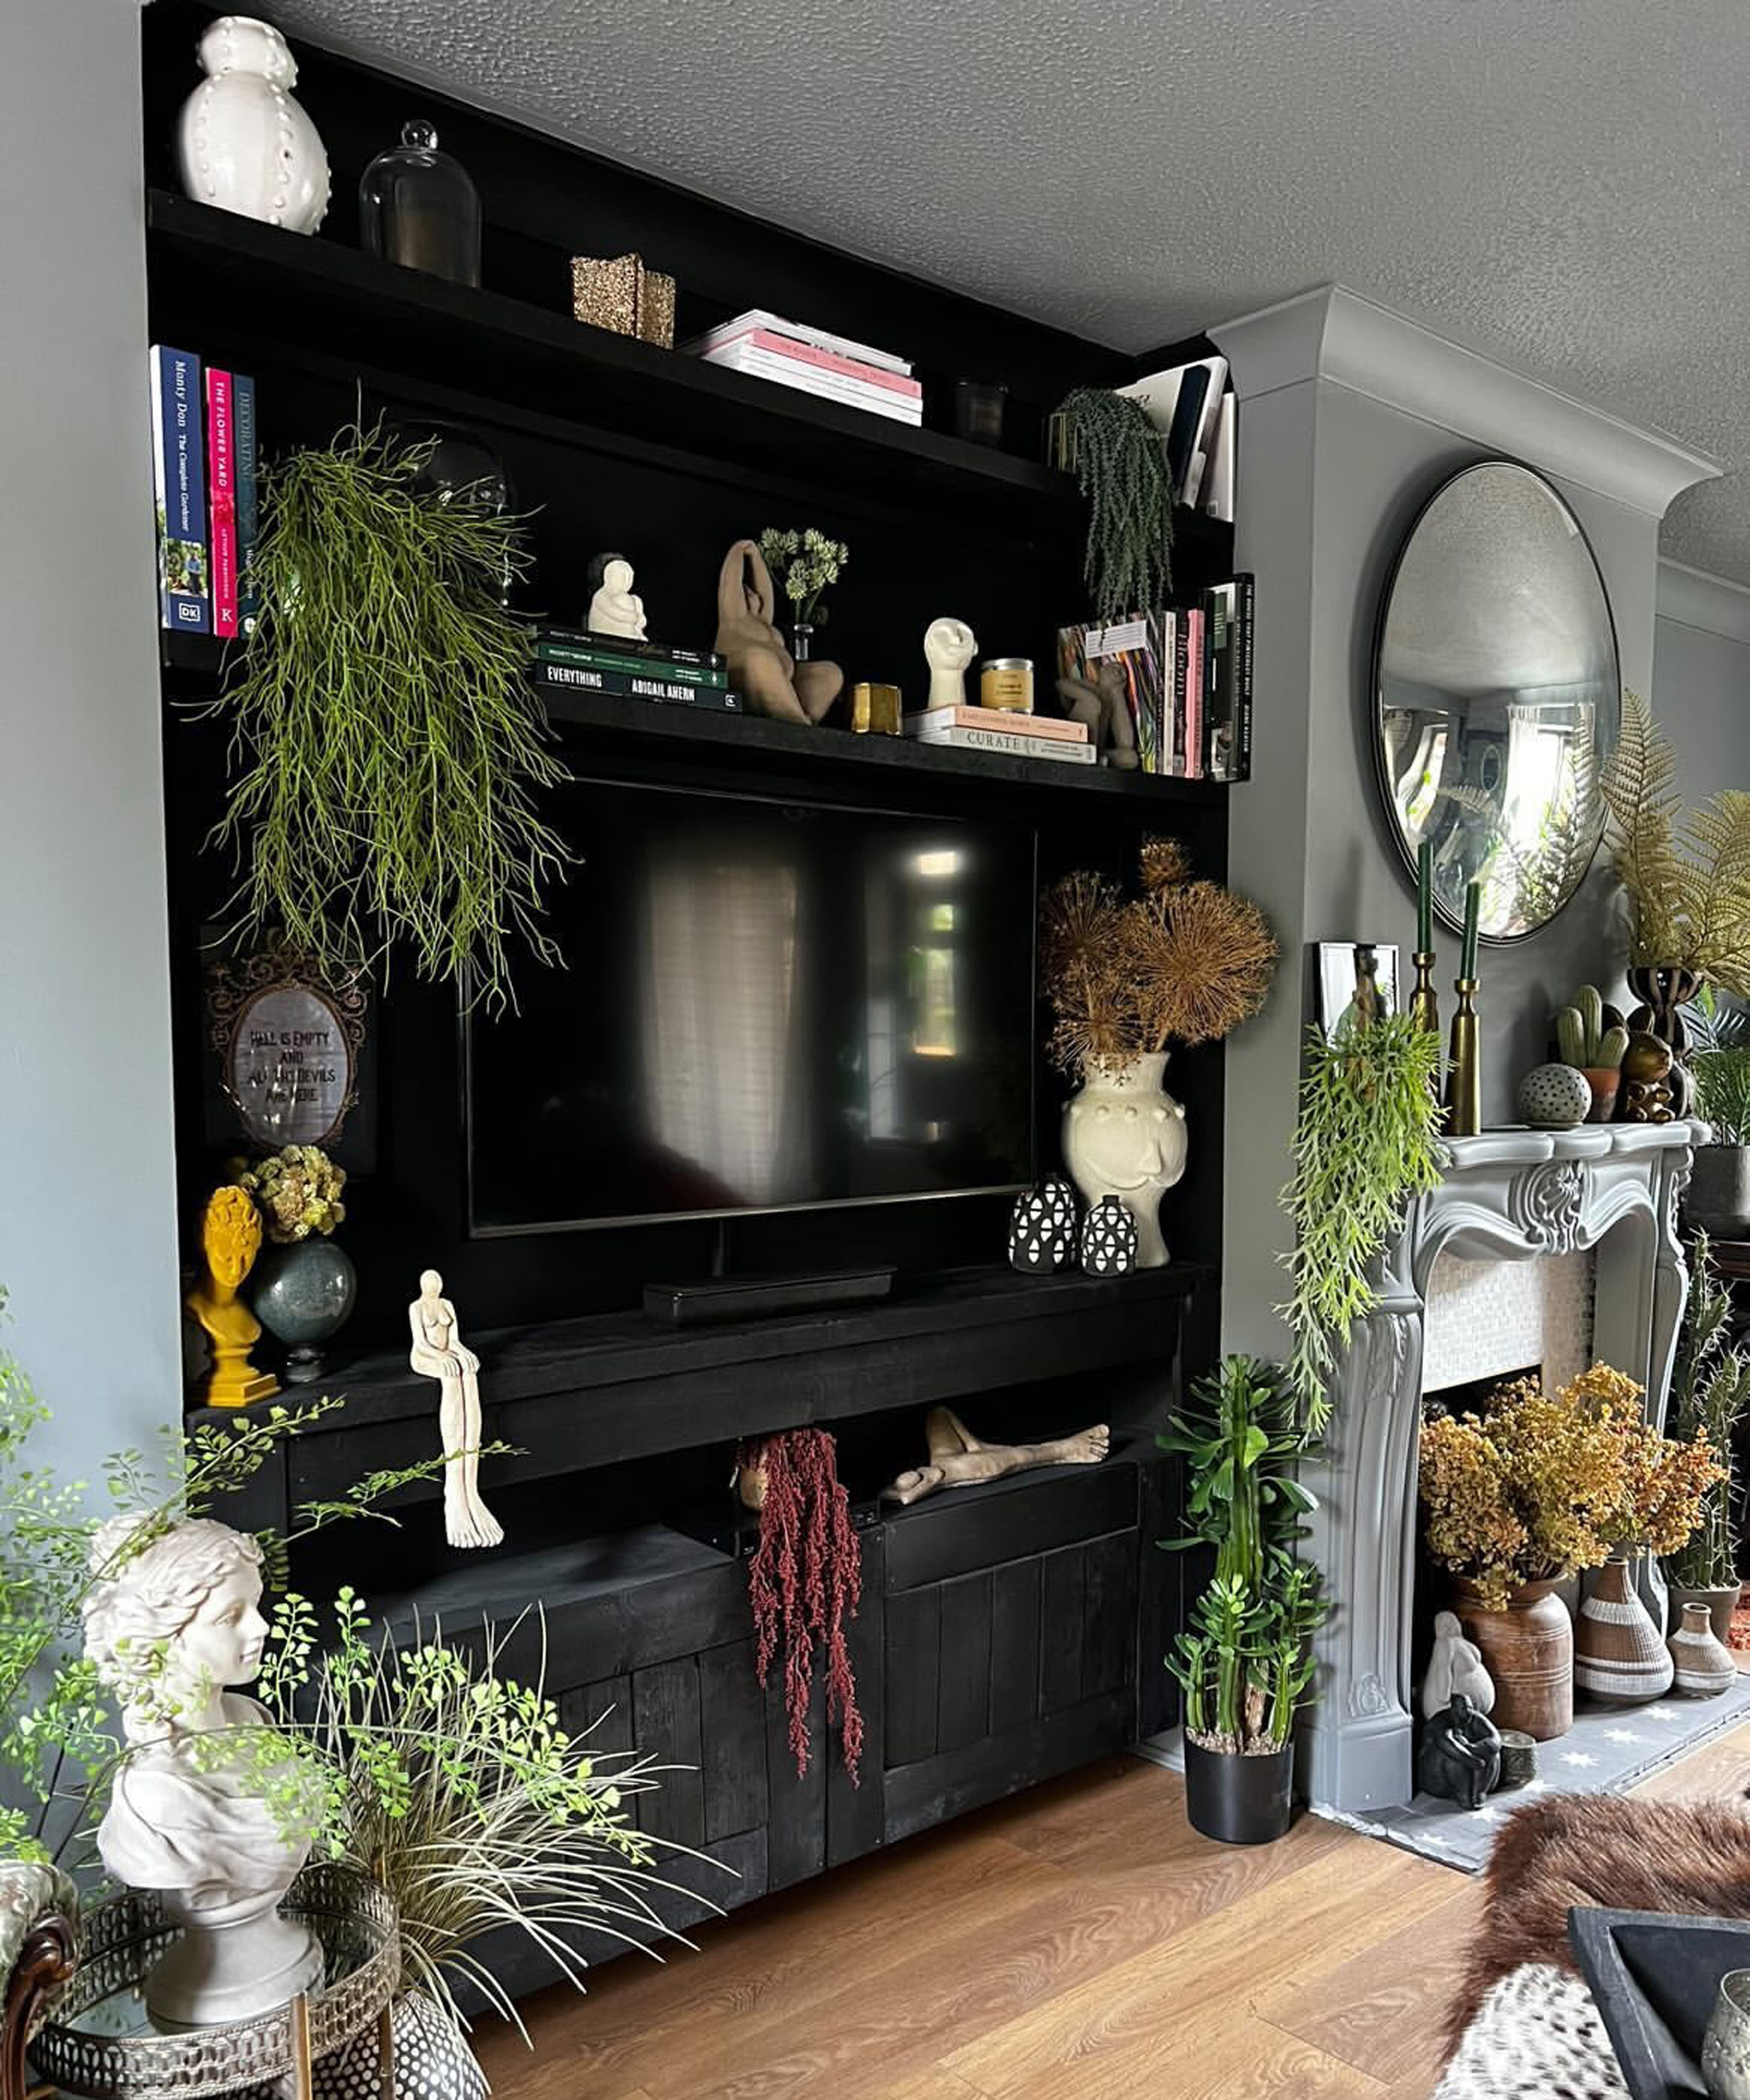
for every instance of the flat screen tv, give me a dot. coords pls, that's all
(766, 1005)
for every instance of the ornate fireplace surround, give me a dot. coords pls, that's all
(1507, 1195)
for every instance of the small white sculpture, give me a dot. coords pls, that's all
(243, 143)
(950, 646)
(169, 1626)
(438, 1353)
(616, 608)
(1455, 1665)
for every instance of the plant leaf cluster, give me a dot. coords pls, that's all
(1120, 464)
(1710, 1397)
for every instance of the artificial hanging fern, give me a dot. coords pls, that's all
(1120, 465)
(1687, 875)
(388, 749)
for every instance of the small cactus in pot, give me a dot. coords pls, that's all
(1593, 1038)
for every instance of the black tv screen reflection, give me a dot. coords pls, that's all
(766, 1005)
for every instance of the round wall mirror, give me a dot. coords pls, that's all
(1498, 695)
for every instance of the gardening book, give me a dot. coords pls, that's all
(221, 495)
(185, 597)
(246, 447)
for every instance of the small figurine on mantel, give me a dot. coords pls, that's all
(615, 607)
(1455, 1665)
(1459, 1757)
(438, 1353)
(230, 1240)
(950, 646)
(957, 1459)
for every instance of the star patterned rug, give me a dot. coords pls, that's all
(1608, 1750)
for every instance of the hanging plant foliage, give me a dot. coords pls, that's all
(1120, 465)
(387, 750)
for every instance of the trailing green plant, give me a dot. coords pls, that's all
(1366, 1141)
(1120, 464)
(1710, 1397)
(1244, 1661)
(1722, 1084)
(1586, 1040)
(388, 749)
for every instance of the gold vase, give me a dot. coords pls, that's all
(1464, 1074)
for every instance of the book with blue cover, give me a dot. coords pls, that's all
(178, 469)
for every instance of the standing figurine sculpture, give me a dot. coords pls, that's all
(208, 1809)
(438, 1353)
(949, 646)
(615, 607)
(760, 668)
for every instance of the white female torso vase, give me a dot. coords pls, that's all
(1124, 1135)
(243, 143)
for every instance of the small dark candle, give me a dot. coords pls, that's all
(1425, 897)
(1468, 965)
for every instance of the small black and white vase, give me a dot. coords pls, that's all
(1042, 1229)
(433, 2059)
(1108, 1238)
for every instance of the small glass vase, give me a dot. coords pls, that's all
(802, 644)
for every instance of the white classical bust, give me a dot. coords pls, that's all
(170, 1627)
(950, 646)
(616, 608)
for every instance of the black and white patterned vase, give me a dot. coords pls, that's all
(433, 2059)
(1042, 1229)
(1108, 1238)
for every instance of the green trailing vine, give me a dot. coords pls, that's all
(388, 749)
(1366, 1141)
(1120, 465)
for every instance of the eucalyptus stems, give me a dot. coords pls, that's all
(389, 751)
(1120, 464)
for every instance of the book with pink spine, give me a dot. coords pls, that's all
(222, 496)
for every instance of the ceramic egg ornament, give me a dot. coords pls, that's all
(1554, 1097)
(244, 142)
(1042, 1229)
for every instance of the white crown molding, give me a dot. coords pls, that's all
(1695, 600)
(1332, 334)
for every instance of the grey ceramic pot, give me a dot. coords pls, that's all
(1719, 1197)
(303, 1295)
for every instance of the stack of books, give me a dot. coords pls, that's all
(204, 471)
(997, 729)
(833, 367)
(572, 659)
(1187, 680)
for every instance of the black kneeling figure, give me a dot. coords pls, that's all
(1459, 1755)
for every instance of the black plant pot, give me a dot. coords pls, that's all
(1239, 1800)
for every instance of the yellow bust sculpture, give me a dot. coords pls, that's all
(230, 1240)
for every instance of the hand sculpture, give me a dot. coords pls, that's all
(217, 1827)
(1102, 703)
(615, 608)
(438, 1353)
(230, 1240)
(950, 646)
(760, 668)
(957, 1459)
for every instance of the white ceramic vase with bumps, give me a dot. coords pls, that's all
(1124, 1135)
(243, 143)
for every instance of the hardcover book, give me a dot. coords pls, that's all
(622, 645)
(185, 596)
(635, 685)
(604, 656)
(1051, 750)
(221, 497)
(932, 722)
(1228, 610)
(246, 446)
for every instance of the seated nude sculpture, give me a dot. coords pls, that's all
(957, 1459)
(202, 1810)
(438, 1353)
(760, 668)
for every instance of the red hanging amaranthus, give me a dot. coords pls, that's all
(805, 1581)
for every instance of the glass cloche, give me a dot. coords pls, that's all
(419, 208)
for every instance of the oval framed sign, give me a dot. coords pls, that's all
(288, 1043)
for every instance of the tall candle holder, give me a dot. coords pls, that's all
(1464, 1069)
(1425, 1001)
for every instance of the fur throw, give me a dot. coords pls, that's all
(1538, 2037)
(1592, 1851)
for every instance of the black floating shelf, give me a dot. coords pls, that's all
(303, 293)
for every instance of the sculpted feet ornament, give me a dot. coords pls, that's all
(230, 1240)
(957, 1459)
(438, 1353)
(202, 1810)
(760, 668)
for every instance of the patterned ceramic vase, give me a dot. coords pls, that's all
(1702, 1669)
(1617, 1654)
(1528, 1647)
(1042, 1229)
(1108, 1239)
(433, 2062)
(1554, 1097)
(243, 143)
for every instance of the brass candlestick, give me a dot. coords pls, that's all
(1425, 1001)
(1464, 1071)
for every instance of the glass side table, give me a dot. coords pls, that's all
(100, 2045)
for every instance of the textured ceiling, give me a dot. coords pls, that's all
(1562, 182)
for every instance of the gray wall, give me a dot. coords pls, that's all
(87, 1230)
(1701, 679)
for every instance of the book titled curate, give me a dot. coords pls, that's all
(936, 721)
(622, 645)
(589, 657)
(634, 685)
(1049, 750)
(178, 472)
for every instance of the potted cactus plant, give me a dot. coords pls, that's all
(1593, 1039)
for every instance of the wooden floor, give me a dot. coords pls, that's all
(1080, 1942)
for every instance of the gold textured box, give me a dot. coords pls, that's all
(618, 292)
(875, 710)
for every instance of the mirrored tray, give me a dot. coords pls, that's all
(101, 2044)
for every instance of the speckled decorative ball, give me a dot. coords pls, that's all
(1108, 1238)
(1554, 1097)
(1042, 1229)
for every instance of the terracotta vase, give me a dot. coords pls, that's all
(1604, 1081)
(1617, 1654)
(1702, 1666)
(1528, 1648)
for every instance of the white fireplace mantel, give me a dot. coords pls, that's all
(1506, 1195)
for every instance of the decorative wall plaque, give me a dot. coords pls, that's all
(288, 1042)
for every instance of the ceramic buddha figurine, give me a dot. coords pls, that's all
(230, 1240)
(615, 607)
(760, 668)
(438, 1353)
(169, 1626)
(950, 646)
